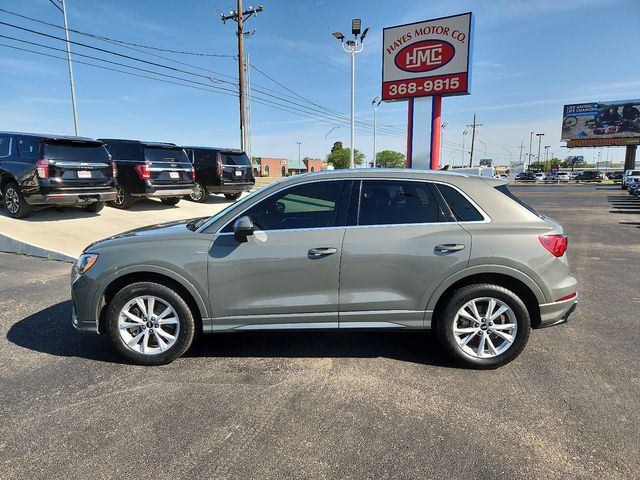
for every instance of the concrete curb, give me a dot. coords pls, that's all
(11, 245)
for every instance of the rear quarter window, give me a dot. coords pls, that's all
(505, 190)
(462, 209)
(4, 146)
(28, 149)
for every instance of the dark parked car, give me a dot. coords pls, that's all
(615, 176)
(220, 170)
(150, 169)
(40, 170)
(526, 177)
(590, 176)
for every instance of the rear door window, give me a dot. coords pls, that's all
(28, 149)
(460, 206)
(397, 202)
(5, 142)
(76, 152)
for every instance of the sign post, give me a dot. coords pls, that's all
(426, 59)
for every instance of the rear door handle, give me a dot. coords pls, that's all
(449, 247)
(322, 251)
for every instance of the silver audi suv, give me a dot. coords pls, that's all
(373, 249)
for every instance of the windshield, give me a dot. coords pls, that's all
(76, 152)
(235, 159)
(165, 155)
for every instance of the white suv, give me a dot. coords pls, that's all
(630, 176)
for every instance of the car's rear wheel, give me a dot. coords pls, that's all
(123, 199)
(232, 196)
(200, 193)
(483, 326)
(14, 202)
(95, 207)
(150, 324)
(170, 200)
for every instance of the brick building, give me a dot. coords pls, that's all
(272, 167)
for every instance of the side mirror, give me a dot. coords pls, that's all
(242, 229)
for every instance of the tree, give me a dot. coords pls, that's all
(339, 156)
(390, 159)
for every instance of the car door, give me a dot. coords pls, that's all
(401, 245)
(286, 274)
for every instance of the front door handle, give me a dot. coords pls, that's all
(322, 251)
(449, 247)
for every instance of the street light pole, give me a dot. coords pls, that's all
(530, 142)
(464, 135)
(299, 143)
(352, 47)
(442, 137)
(539, 135)
(325, 140)
(73, 88)
(375, 103)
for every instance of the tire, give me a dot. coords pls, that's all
(200, 193)
(232, 196)
(181, 325)
(14, 202)
(123, 200)
(470, 354)
(170, 200)
(95, 207)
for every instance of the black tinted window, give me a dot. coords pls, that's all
(235, 159)
(89, 153)
(459, 205)
(313, 205)
(394, 202)
(28, 148)
(125, 151)
(165, 155)
(4, 146)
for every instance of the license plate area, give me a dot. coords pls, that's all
(238, 173)
(174, 175)
(84, 173)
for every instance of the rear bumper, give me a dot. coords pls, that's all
(232, 187)
(169, 191)
(557, 313)
(75, 198)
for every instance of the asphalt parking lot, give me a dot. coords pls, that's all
(335, 405)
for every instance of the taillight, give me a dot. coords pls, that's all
(219, 164)
(114, 169)
(42, 167)
(193, 173)
(555, 243)
(143, 171)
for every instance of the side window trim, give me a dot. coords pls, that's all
(485, 217)
(221, 231)
(444, 206)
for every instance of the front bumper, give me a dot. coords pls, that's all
(76, 198)
(557, 313)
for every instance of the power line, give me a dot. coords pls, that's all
(55, 5)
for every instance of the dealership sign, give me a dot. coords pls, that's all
(427, 58)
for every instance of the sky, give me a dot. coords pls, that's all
(529, 59)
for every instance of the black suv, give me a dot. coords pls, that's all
(150, 169)
(526, 177)
(220, 170)
(590, 176)
(54, 170)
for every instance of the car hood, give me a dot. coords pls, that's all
(155, 232)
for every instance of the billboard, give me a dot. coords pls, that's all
(618, 119)
(427, 58)
(574, 160)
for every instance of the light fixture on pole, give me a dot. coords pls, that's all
(375, 103)
(352, 47)
(325, 140)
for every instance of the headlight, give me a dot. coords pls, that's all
(86, 261)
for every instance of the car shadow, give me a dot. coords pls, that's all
(50, 331)
(47, 214)
(624, 204)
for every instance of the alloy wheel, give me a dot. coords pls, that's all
(119, 200)
(149, 325)
(197, 193)
(485, 327)
(11, 200)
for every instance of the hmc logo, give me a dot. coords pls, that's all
(424, 56)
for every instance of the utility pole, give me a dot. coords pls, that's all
(239, 16)
(474, 125)
(249, 125)
(530, 142)
(521, 147)
(73, 88)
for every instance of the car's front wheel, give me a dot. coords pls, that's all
(150, 324)
(483, 326)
